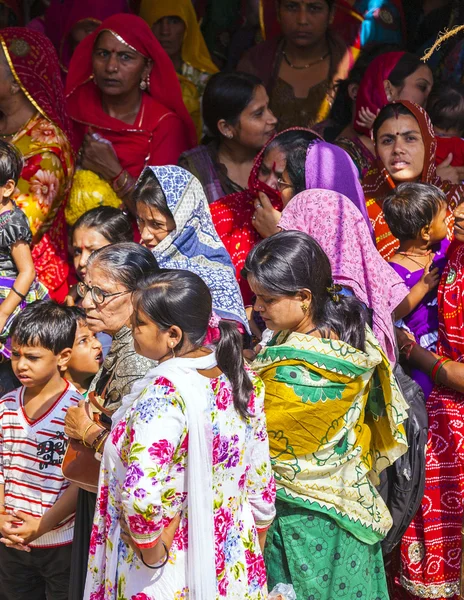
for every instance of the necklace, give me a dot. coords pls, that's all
(411, 255)
(311, 64)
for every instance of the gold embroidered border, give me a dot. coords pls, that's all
(442, 590)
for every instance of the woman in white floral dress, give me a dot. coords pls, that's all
(190, 439)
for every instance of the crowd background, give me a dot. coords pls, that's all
(243, 215)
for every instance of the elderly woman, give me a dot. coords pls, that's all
(406, 146)
(111, 275)
(33, 118)
(324, 374)
(125, 100)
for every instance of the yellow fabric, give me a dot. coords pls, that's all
(192, 102)
(194, 50)
(89, 191)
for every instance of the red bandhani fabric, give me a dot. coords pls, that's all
(431, 547)
(34, 64)
(162, 130)
(232, 218)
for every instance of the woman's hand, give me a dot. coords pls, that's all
(157, 554)
(448, 173)
(403, 337)
(366, 118)
(266, 217)
(77, 421)
(99, 157)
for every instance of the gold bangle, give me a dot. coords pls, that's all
(102, 441)
(85, 433)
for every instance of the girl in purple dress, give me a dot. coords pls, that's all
(416, 214)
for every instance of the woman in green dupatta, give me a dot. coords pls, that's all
(335, 420)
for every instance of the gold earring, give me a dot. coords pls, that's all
(304, 307)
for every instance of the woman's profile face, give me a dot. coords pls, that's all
(416, 87)
(116, 311)
(304, 22)
(401, 148)
(86, 240)
(256, 123)
(117, 69)
(170, 33)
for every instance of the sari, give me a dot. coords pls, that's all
(163, 128)
(431, 547)
(197, 66)
(355, 262)
(378, 184)
(45, 143)
(194, 245)
(335, 420)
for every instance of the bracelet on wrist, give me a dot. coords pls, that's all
(85, 434)
(100, 435)
(406, 348)
(437, 367)
(22, 296)
(114, 180)
(117, 187)
(166, 558)
(101, 442)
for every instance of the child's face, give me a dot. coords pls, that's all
(438, 230)
(86, 355)
(36, 366)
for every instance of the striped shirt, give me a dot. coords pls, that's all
(31, 453)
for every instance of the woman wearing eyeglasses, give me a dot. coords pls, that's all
(111, 276)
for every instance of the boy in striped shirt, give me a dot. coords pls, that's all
(37, 504)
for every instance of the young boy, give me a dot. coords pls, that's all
(446, 110)
(86, 355)
(36, 502)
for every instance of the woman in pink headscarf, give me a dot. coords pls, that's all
(391, 76)
(335, 222)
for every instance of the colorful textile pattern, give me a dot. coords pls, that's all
(358, 153)
(143, 478)
(45, 143)
(320, 559)
(355, 262)
(194, 245)
(431, 547)
(335, 420)
(163, 128)
(378, 183)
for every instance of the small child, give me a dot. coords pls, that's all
(416, 214)
(37, 503)
(86, 355)
(18, 285)
(446, 110)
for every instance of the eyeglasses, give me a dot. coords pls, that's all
(97, 294)
(282, 185)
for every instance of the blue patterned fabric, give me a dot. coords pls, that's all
(194, 245)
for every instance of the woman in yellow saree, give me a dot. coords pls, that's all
(335, 421)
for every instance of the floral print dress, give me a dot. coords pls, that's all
(144, 480)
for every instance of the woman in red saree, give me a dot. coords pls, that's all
(33, 118)
(431, 547)
(124, 98)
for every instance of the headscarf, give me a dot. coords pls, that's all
(378, 184)
(34, 64)
(194, 245)
(84, 10)
(371, 93)
(194, 50)
(338, 226)
(84, 101)
(329, 167)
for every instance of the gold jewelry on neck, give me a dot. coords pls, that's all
(308, 65)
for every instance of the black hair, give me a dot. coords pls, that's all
(290, 261)
(406, 66)
(330, 3)
(125, 263)
(78, 314)
(445, 106)
(148, 191)
(113, 224)
(46, 324)
(182, 298)
(388, 112)
(410, 207)
(11, 163)
(294, 144)
(225, 97)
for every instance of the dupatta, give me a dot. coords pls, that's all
(333, 221)
(378, 184)
(163, 97)
(194, 245)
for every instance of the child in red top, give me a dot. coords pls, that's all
(446, 110)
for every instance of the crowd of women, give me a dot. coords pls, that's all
(261, 219)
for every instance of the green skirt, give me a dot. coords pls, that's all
(320, 559)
